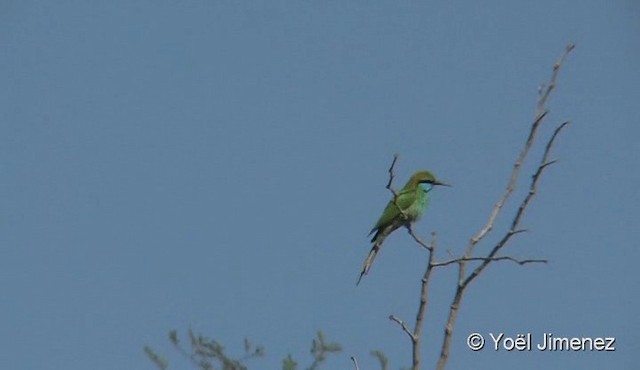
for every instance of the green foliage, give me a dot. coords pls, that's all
(160, 362)
(208, 354)
(289, 363)
(384, 362)
(205, 353)
(320, 349)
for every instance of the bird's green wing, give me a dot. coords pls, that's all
(404, 200)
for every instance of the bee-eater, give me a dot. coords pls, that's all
(412, 200)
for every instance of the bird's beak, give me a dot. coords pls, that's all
(441, 183)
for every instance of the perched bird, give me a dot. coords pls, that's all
(412, 200)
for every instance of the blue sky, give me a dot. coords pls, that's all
(217, 165)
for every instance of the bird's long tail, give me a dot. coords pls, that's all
(372, 256)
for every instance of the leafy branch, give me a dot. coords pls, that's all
(208, 354)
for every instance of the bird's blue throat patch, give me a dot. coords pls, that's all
(426, 187)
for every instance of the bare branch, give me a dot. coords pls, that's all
(418, 240)
(540, 114)
(390, 186)
(392, 174)
(448, 329)
(355, 363)
(422, 307)
(463, 280)
(544, 163)
(554, 76)
(415, 335)
(501, 258)
(404, 326)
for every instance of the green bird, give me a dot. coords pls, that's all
(412, 200)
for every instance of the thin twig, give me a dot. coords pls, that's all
(418, 240)
(392, 174)
(501, 258)
(355, 363)
(393, 191)
(404, 326)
